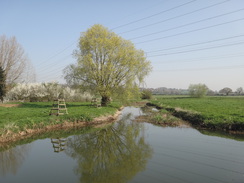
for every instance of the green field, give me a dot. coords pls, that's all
(36, 115)
(218, 111)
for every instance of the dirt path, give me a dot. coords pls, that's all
(10, 105)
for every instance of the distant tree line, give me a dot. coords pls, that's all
(168, 91)
(197, 90)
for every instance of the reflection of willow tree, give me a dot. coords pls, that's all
(114, 154)
(12, 159)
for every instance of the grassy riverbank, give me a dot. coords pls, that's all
(225, 113)
(35, 115)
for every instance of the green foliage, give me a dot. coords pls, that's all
(146, 94)
(108, 65)
(210, 110)
(198, 90)
(2, 83)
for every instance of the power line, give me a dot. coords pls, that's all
(58, 69)
(140, 11)
(54, 63)
(75, 42)
(199, 43)
(195, 30)
(206, 68)
(154, 14)
(61, 51)
(200, 49)
(177, 27)
(175, 17)
(54, 70)
(204, 58)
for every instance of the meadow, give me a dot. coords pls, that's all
(32, 115)
(210, 112)
(214, 112)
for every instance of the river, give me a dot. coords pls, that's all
(127, 151)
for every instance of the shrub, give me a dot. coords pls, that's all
(198, 90)
(146, 94)
(34, 92)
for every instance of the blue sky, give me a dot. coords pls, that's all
(187, 41)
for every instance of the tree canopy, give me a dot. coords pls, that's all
(198, 90)
(225, 91)
(107, 64)
(239, 90)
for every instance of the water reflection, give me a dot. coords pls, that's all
(114, 154)
(222, 134)
(12, 159)
(58, 144)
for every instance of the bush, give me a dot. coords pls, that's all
(35, 92)
(198, 90)
(146, 94)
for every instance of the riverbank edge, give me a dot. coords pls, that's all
(197, 120)
(28, 133)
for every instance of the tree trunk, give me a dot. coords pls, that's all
(105, 100)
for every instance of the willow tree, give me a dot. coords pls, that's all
(107, 64)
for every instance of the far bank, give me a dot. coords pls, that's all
(215, 113)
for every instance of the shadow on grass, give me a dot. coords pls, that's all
(182, 97)
(78, 105)
(35, 105)
(49, 105)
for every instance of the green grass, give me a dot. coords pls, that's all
(214, 110)
(36, 115)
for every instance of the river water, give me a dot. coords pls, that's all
(127, 151)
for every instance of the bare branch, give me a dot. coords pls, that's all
(14, 61)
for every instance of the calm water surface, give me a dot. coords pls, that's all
(128, 152)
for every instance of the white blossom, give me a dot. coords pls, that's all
(45, 91)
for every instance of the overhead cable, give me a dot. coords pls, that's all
(154, 15)
(175, 17)
(177, 27)
(200, 49)
(199, 43)
(206, 68)
(195, 30)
